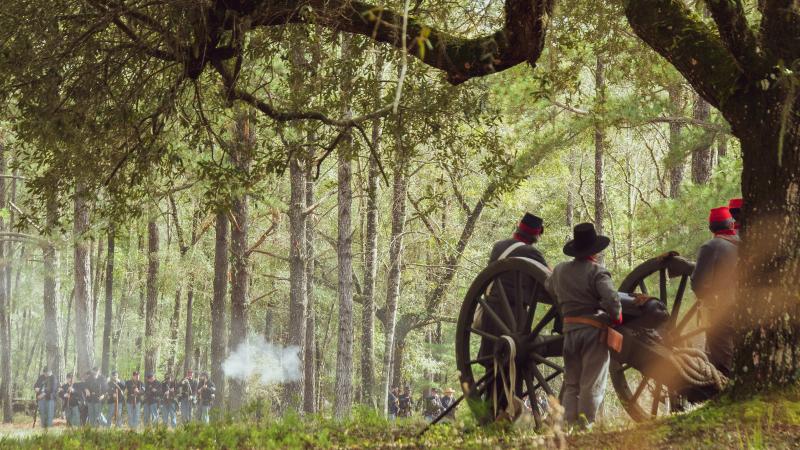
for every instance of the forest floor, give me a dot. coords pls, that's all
(771, 421)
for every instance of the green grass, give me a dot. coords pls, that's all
(769, 421)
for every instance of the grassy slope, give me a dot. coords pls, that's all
(764, 422)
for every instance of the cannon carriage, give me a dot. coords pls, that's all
(510, 349)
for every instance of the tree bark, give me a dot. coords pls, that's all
(599, 147)
(151, 343)
(219, 305)
(108, 319)
(768, 344)
(702, 154)
(52, 333)
(83, 332)
(674, 160)
(5, 312)
(310, 372)
(343, 390)
(294, 391)
(371, 257)
(240, 278)
(188, 342)
(174, 322)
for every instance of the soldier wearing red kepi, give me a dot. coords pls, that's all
(714, 283)
(735, 207)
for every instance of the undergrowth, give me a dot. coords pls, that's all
(768, 421)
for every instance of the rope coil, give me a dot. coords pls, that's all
(694, 366)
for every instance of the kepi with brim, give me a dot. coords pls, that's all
(449, 391)
(585, 242)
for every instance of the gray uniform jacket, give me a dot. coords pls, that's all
(714, 275)
(582, 288)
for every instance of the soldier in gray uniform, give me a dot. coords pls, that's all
(714, 283)
(588, 302)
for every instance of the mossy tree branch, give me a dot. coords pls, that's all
(737, 36)
(780, 29)
(675, 32)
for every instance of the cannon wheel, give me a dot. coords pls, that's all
(642, 397)
(525, 323)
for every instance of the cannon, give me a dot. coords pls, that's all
(511, 340)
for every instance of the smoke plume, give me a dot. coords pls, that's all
(271, 363)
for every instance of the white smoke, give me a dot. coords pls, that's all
(272, 363)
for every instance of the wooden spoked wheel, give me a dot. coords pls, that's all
(666, 278)
(493, 325)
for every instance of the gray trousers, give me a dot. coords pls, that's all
(585, 374)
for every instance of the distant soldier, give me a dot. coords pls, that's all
(115, 397)
(714, 283)
(393, 403)
(97, 389)
(169, 402)
(46, 389)
(72, 395)
(431, 407)
(735, 207)
(152, 392)
(404, 403)
(187, 391)
(448, 400)
(206, 392)
(134, 391)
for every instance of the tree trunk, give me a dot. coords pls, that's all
(343, 389)
(96, 270)
(294, 391)
(399, 188)
(768, 346)
(371, 257)
(108, 322)
(722, 146)
(310, 372)
(151, 344)
(702, 154)
(240, 277)
(5, 312)
(218, 305)
(674, 160)
(83, 332)
(399, 354)
(173, 332)
(52, 334)
(188, 342)
(599, 147)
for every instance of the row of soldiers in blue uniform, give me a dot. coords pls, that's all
(99, 401)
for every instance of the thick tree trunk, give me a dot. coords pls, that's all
(399, 355)
(83, 332)
(219, 308)
(294, 391)
(599, 147)
(674, 161)
(240, 266)
(151, 343)
(399, 188)
(108, 319)
(768, 346)
(310, 379)
(702, 153)
(6, 382)
(52, 333)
